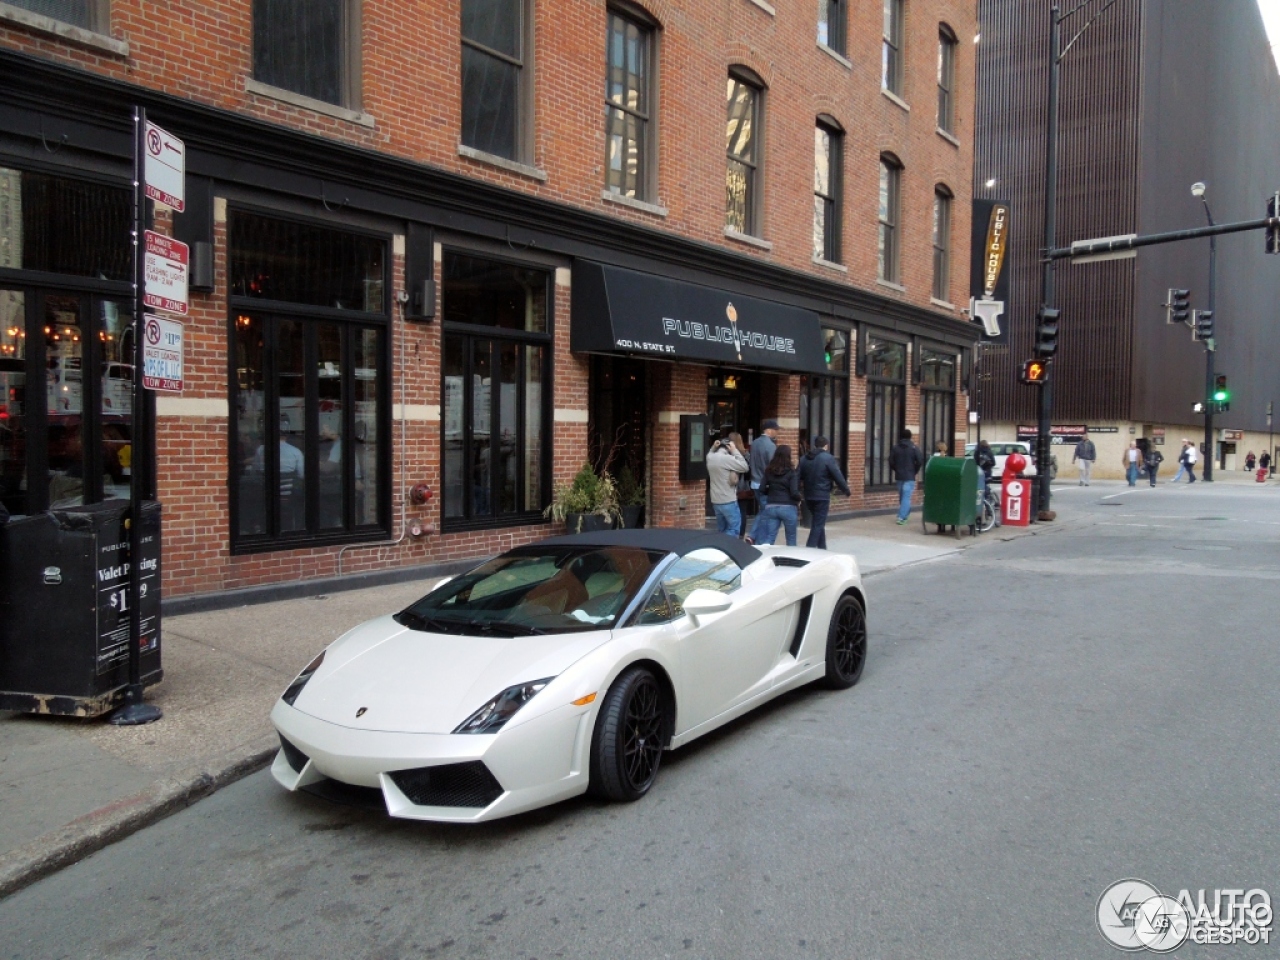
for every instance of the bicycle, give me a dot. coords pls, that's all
(988, 508)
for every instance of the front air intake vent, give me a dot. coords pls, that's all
(297, 759)
(449, 785)
(789, 562)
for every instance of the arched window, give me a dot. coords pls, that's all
(828, 150)
(745, 96)
(889, 212)
(946, 78)
(942, 197)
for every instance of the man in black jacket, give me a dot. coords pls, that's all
(819, 472)
(906, 460)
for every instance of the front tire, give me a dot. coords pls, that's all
(630, 734)
(846, 644)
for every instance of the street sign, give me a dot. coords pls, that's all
(166, 273)
(165, 168)
(162, 354)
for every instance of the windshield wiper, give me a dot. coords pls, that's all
(421, 622)
(505, 627)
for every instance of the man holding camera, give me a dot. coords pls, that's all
(725, 463)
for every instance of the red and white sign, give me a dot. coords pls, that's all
(166, 273)
(162, 354)
(1014, 504)
(165, 168)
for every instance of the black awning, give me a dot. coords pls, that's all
(623, 311)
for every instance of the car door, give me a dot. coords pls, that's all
(725, 657)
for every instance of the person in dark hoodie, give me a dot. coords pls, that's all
(906, 461)
(819, 472)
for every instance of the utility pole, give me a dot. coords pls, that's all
(1210, 405)
(1045, 412)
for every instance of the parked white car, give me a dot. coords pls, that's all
(1001, 449)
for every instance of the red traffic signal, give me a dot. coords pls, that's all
(1035, 371)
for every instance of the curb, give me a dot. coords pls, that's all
(88, 834)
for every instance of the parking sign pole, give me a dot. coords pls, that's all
(134, 711)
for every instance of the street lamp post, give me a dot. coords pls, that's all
(1197, 190)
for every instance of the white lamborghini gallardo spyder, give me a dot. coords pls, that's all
(565, 666)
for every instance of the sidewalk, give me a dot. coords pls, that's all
(70, 787)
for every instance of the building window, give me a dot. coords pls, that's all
(890, 205)
(831, 17)
(941, 243)
(828, 150)
(497, 391)
(494, 77)
(937, 401)
(628, 84)
(310, 383)
(886, 364)
(309, 47)
(891, 61)
(745, 92)
(86, 14)
(824, 398)
(946, 79)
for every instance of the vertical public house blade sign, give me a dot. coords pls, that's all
(988, 280)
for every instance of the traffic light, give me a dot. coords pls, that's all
(1221, 395)
(1179, 306)
(1203, 324)
(1273, 232)
(1047, 332)
(1035, 371)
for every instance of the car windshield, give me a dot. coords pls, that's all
(534, 591)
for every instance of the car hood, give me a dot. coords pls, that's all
(412, 681)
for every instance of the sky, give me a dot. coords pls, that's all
(1271, 17)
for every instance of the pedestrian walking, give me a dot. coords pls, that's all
(1132, 458)
(906, 460)
(725, 464)
(1153, 460)
(1264, 461)
(782, 497)
(762, 450)
(1084, 455)
(1186, 462)
(819, 472)
(1250, 461)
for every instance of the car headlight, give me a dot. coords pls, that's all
(291, 692)
(491, 717)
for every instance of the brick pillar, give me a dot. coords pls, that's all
(675, 389)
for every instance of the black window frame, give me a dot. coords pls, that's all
(752, 163)
(522, 108)
(891, 64)
(96, 17)
(831, 203)
(833, 14)
(350, 321)
(889, 218)
(834, 383)
(937, 398)
(942, 216)
(886, 410)
(469, 333)
(948, 47)
(347, 58)
(644, 187)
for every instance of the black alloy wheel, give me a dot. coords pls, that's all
(630, 735)
(846, 643)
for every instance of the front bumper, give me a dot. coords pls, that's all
(529, 765)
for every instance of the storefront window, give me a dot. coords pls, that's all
(60, 225)
(310, 389)
(938, 400)
(824, 400)
(886, 405)
(496, 347)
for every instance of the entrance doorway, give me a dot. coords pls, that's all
(619, 425)
(733, 404)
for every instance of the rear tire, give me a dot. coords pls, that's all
(630, 734)
(846, 644)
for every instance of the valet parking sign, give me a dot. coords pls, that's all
(166, 264)
(162, 354)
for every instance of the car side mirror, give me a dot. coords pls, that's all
(702, 603)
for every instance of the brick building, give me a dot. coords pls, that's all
(472, 250)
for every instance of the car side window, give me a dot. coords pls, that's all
(705, 569)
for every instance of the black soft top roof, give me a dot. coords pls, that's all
(668, 540)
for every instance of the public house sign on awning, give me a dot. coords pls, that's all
(623, 311)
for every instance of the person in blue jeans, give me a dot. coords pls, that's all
(819, 472)
(725, 464)
(906, 460)
(781, 487)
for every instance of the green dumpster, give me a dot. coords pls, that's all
(950, 493)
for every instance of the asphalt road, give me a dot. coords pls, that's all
(1038, 718)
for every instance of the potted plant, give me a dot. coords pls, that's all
(630, 497)
(589, 502)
